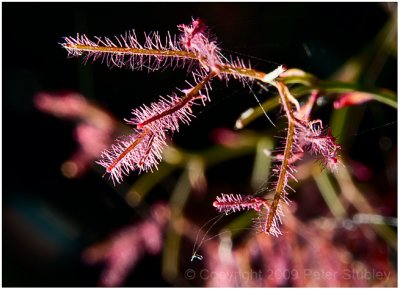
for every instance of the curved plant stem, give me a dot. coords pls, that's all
(308, 83)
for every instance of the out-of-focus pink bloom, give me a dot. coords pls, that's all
(92, 139)
(360, 171)
(197, 178)
(221, 265)
(62, 104)
(351, 99)
(125, 249)
(94, 132)
(228, 138)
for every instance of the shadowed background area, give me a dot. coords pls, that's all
(52, 214)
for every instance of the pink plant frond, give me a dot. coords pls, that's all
(319, 142)
(194, 49)
(195, 39)
(166, 114)
(228, 203)
(302, 136)
(127, 51)
(141, 150)
(191, 31)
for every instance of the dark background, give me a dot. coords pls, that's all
(48, 219)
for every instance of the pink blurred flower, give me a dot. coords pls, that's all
(122, 252)
(93, 133)
(359, 170)
(351, 99)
